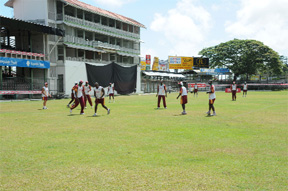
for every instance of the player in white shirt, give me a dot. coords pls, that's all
(79, 98)
(234, 91)
(99, 95)
(87, 89)
(195, 90)
(161, 93)
(72, 95)
(184, 99)
(45, 94)
(111, 92)
(212, 98)
(245, 89)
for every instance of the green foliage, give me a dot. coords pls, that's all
(139, 147)
(244, 57)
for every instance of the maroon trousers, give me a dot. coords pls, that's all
(77, 101)
(159, 99)
(87, 97)
(234, 94)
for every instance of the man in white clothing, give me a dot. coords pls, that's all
(99, 94)
(212, 98)
(45, 94)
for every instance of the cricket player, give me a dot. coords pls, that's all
(111, 92)
(79, 98)
(45, 94)
(161, 93)
(183, 94)
(195, 90)
(234, 91)
(72, 95)
(99, 94)
(87, 89)
(245, 89)
(212, 98)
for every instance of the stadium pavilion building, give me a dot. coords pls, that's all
(92, 35)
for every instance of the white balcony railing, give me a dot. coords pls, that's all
(102, 29)
(99, 44)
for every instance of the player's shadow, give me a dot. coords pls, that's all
(94, 116)
(209, 116)
(158, 108)
(72, 114)
(178, 115)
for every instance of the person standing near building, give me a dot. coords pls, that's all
(72, 95)
(99, 94)
(79, 98)
(87, 89)
(111, 92)
(196, 90)
(45, 94)
(161, 93)
(183, 94)
(234, 91)
(245, 89)
(212, 98)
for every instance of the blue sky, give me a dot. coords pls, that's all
(184, 27)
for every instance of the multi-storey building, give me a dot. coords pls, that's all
(92, 35)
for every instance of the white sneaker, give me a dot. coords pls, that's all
(108, 111)
(208, 113)
(70, 110)
(214, 113)
(184, 113)
(165, 107)
(82, 113)
(94, 115)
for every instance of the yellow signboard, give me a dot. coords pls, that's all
(143, 65)
(155, 63)
(177, 62)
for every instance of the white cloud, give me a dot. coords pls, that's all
(183, 27)
(263, 20)
(113, 3)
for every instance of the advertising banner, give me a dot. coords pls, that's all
(143, 65)
(163, 65)
(27, 63)
(177, 62)
(200, 85)
(8, 92)
(155, 64)
(217, 71)
(148, 62)
(228, 90)
(148, 59)
(199, 62)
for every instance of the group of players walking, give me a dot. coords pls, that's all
(80, 94)
(162, 93)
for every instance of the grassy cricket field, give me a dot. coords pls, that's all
(137, 147)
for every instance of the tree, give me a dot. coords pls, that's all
(243, 57)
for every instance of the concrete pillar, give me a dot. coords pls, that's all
(138, 80)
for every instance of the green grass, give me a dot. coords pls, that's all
(137, 147)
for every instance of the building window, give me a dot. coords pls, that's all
(60, 53)
(69, 11)
(52, 71)
(79, 14)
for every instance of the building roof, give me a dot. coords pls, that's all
(93, 9)
(16, 24)
(103, 12)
